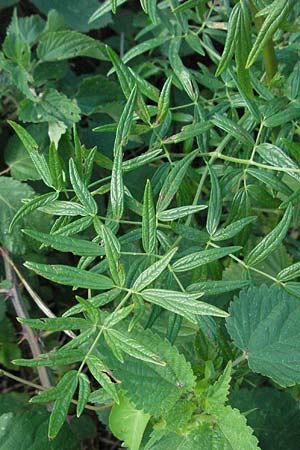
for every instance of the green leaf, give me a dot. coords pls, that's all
(123, 129)
(271, 241)
(187, 132)
(74, 227)
(61, 358)
(128, 81)
(231, 39)
(104, 8)
(178, 213)
(233, 229)
(71, 276)
(263, 322)
(173, 181)
(81, 191)
(51, 106)
(217, 287)
(198, 259)
(60, 45)
(149, 240)
(276, 157)
(153, 272)
(143, 47)
(153, 388)
(112, 251)
(55, 323)
(289, 272)
(216, 395)
(83, 393)
(181, 303)
(65, 389)
(141, 160)
(128, 423)
(32, 148)
(133, 348)
(98, 370)
(276, 15)
(62, 208)
(30, 206)
(230, 127)
(215, 204)
(55, 167)
(66, 244)
(164, 101)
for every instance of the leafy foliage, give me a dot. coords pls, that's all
(151, 165)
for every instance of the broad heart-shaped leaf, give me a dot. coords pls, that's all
(52, 106)
(67, 244)
(152, 388)
(182, 303)
(264, 323)
(59, 45)
(65, 391)
(226, 430)
(71, 276)
(76, 17)
(128, 423)
(271, 241)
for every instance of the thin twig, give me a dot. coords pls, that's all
(21, 312)
(35, 297)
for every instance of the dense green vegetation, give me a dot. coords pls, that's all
(149, 225)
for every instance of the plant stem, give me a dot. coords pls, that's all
(240, 359)
(21, 312)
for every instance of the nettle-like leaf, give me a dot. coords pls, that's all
(263, 322)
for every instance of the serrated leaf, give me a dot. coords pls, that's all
(231, 39)
(60, 45)
(263, 322)
(71, 276)
(83, 393)
(173, 181)
(61, 358)
(124, 418)
(184, 304)
(153, 388)
(67, 244)
(63, 208)
(81, 191)
(271, 241)
(215, 204)
(74, 227)
(143, 47)
(178, 213)
(104, 9)
(65, 389)
(198, 259)
(233, 229)
(153, 272)
(149, 240)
